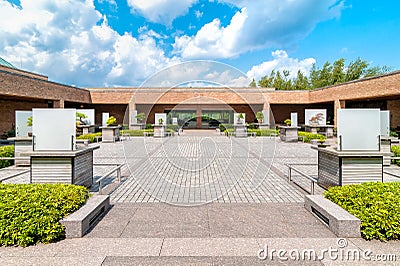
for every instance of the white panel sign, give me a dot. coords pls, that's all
(239, 118)
(174, 120)
(21, 127)
(385, 123)
(266, 116)
(293, 119)
(359, 129)
(90, 120)
(104, 118)
(54, 129)
(160, 117)
(133, 117)
(315, 117)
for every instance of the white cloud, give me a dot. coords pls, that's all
(161, 11)
(61, 39)
(281, 61)
(258, 24)
(198, 14)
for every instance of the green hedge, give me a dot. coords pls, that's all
(309, 136)
(263, 132)
(6, 151)
(136, 133)
(91, 136)
(377, 205)
(396, 152)
(30, 213)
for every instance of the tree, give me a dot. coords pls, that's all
(253, 83)
(338, 74)
(279, 82)
(356, 69)
(301, 81)
(267, 81)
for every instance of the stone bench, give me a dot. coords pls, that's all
(79, 222)
(82, 141)
(339, 221)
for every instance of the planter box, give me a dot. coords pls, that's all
(22, 145)
(86, 129)
(240, 131)
(137, 126)
(289, 134)
(110, 133)
(68, 167)
(326, 130)
(338, 168)
(160, 131)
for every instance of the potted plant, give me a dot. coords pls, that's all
(29, 123)
(79, 118)
(259, 117)
(160, 121)
(240, 118)
(111, 121)
(288, 122)
(140, 117)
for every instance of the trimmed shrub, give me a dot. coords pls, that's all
(136, 133)
(396, 152)
(6, 151)
(264, 132)
(394, 134)
(309, 136)
(91, 136)
(375, 204)
(30, 213)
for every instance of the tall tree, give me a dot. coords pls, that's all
(356, 69)
(301, 81)
(267, 81)
(338, 73)
(253, 83)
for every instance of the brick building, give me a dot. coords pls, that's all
(22, 90)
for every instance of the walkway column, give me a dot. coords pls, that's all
(198, 116)
(266, 112)
(58, 104)
(339, 104)
(131, 109)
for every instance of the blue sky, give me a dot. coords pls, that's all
(122, 43)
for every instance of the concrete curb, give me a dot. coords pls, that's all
(338, 220)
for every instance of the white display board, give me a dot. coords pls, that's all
(163, 116)
(358, 129)
(237, 120)
(21, 127)
(315, 117)
(104, 118)
(54, 129)
(385, 123)
(90, 120)
(293, 119)
(133, 117)
(174, 120)
(266, 116)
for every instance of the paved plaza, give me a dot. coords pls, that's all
(198, 199)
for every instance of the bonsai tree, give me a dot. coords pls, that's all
(140, 117)
(80, 117)
(240, 118)
(111, 121)
(288, 122)
(259, 116)
(29, 122)
(160, 121)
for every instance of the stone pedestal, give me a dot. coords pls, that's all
(240, 131)
(326, 130)
(289, 134)
(137, 126)
(263, 126)
(386, 148)
(68, 167)
(86, 129)
(110, 133)
(338, 168)
(22, 145)
(160, 131)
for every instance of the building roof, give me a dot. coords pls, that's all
(5, 63)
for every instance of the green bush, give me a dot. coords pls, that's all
(264, 132)
(396, 152)
(91, 136)
(6, 151)
(30, 213)
(309, 136)
(377, 205)
(394, 134)
(136, 133)
(149, 126)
